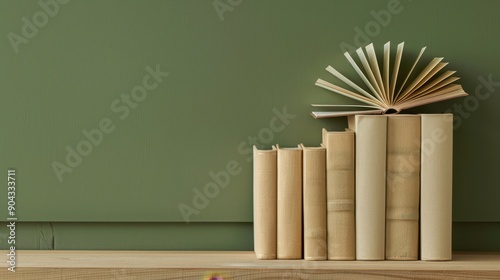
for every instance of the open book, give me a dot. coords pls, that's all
(387, 90)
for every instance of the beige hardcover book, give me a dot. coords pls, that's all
(314, 202)
(289, 203)
(371, 135)
(403, 187)
(340, 194)
(436, 186)
(265, 202)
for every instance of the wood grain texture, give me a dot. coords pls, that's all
(236, 265)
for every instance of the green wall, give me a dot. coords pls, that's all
(239, 72)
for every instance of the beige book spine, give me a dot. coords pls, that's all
(371, 135)
(436, 186)
(265, 202)
(289, 203)
(314, 202)
(340, 194)
(403, 187)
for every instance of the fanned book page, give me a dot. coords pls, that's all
(385, 89)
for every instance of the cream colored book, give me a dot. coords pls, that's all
(340, 194)
(289, 225)
(436, 187)
(385, 89)
(314, 202)
(403, 187)
(265, 202)
(371, 135)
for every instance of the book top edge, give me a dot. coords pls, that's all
(289, 148)
(339, 131)
(271, 150)
(315, 148)
(436, 115)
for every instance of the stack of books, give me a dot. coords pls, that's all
(381, 189)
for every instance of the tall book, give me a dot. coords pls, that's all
(265, 202)
(289, 225)
(436, 186)
(371, 135)
(403, 187)
(314, 202)
(340, 194)
(388, 87)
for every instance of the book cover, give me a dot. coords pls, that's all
(436, 186)
(314, 202)
(403, 187)
(340, 194)
(265, 202)
(371, 134)
(289, 219)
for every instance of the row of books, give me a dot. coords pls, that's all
(381, 189)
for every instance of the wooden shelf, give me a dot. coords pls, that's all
(235, 265)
